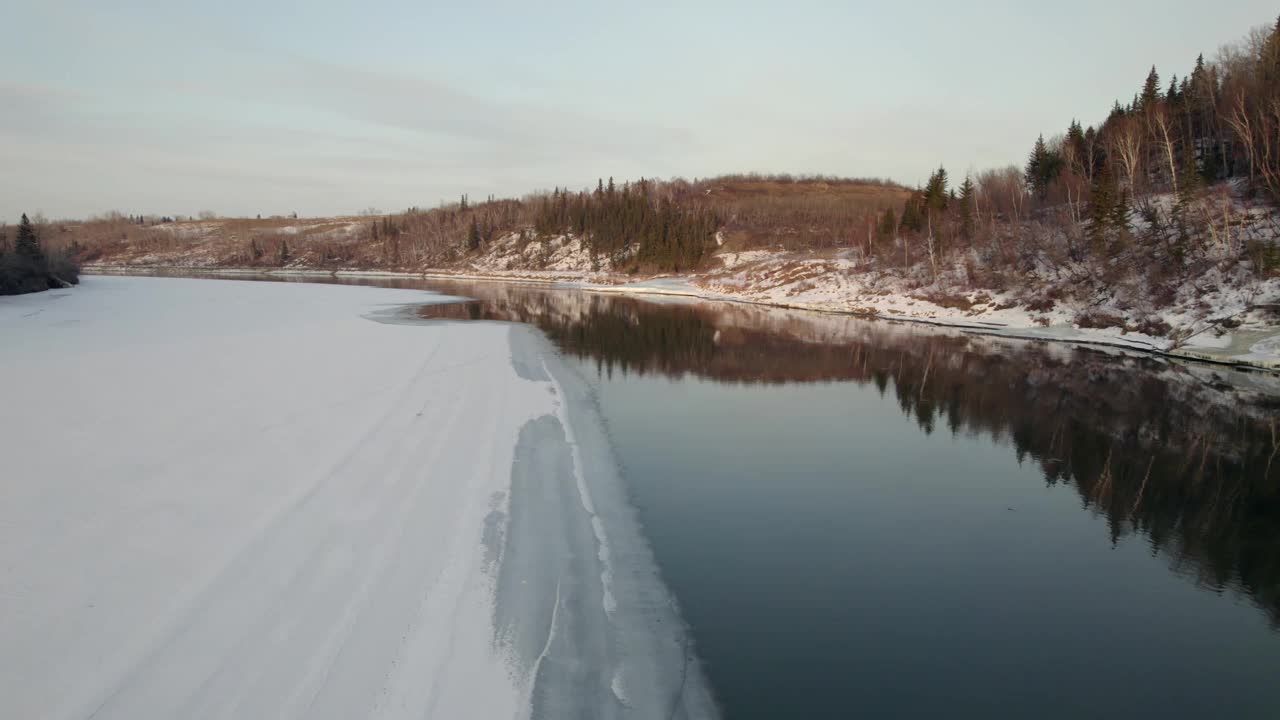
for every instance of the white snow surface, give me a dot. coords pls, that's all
(554, 256)
(250, 500)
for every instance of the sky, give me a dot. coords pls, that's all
(322, 107)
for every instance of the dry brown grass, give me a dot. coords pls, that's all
(795, 213)
(953, 301)
(853, 189)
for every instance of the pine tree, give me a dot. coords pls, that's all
(1150, 91)
(967, 195)
(474, 236)
(27, 244)
(1271, 58)
(1043, 167)
(888, 225)
(1201, 101)
(1102, 202)
(1035, 165)
(935, 193)
(1120, 211)
(1075, 138)
(912, 217)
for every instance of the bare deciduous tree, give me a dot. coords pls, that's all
(1126, 143)
(1166, 140)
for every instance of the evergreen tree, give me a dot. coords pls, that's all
(1121, 211)
(935, 192)
(1201, 103)
(1076, 139)
(888, 225)
(27, 245)
(966, 202)
(1102, 207)
(912, 216)
(1199, 73)
(473, 235)
(1043, 167)
(26, 267)
(1150, 91)
(1270, 60)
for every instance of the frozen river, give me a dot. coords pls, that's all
(235, 499)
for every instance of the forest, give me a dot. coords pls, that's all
(27, 265)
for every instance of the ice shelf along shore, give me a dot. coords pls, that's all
(245, 499)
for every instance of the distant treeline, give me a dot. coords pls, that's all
(642, 226)
(26, 265)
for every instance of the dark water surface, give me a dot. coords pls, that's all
(866, 519)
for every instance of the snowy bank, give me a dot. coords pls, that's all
(1252, 346)
(239, 499)
(828, 288)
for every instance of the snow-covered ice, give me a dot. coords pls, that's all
(248, 499)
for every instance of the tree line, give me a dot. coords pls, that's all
(630, 225)
(1130, 190)
(27, 265)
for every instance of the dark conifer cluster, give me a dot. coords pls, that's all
(26, 266)
(630, 225)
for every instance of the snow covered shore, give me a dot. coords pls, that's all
(238, 499)
(1254, 343)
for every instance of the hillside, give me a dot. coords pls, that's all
(746, 211)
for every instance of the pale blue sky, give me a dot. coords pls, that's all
(269, 107)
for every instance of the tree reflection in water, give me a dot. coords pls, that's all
(1185, 455)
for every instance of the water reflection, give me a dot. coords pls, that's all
(1185, 455)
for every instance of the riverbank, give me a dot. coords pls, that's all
(1249, 345)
